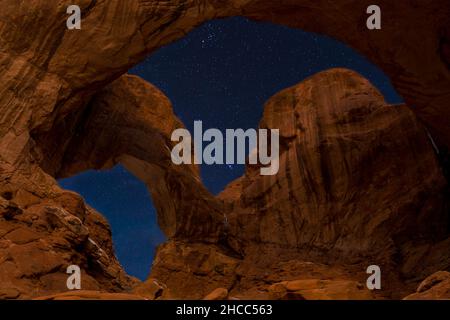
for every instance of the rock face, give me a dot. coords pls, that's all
(137, 120)
(359, 183)
(52, 71)
(337, 199)
(312, 224)
(45, 229)
(340, 188)
(91, 295)
(194, 270)
(436, 286)
(412, 46)
(218, 294)
(341, 149)
(316, 289)
(41, 234)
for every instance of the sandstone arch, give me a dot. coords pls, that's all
(50, 76)
(53, 70)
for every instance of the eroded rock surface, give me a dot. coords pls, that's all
(317, 289)
(91, 295)
(48, 73)
(46, 229)
(358, 177)
(434, 287)
(359, 182)
(42, 234)
(342, 148)
(132, 122)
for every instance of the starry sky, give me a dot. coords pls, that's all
(221, 73)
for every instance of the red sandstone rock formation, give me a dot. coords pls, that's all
(91, 295)
(44, 231)
(357, 176)
(358, 184)
(332, 127)
(317, 289)
(359, 181)
(436, 286)
(132, 122)
(52, 71)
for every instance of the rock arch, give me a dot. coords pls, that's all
(53, 70)
(54, 79)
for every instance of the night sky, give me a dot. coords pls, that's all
(222, 73)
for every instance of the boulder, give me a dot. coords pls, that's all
(217, 294)
(434, 287)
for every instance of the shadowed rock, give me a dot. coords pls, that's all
(358, 180)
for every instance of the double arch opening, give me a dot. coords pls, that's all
(221, 73)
